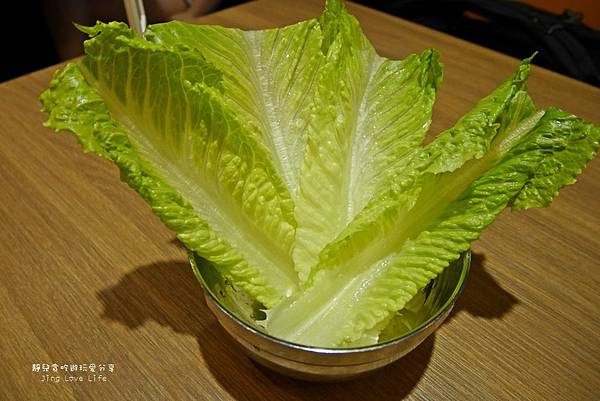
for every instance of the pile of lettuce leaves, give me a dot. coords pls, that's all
(293, 160)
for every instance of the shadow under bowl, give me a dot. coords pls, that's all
(330, 364)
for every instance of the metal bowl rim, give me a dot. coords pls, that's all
(368, 348)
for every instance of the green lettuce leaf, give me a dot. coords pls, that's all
(559, 169)
(494, 115)
(493, 118)
(369, 117)
(348, 300)
(160, 115)
(268, 80)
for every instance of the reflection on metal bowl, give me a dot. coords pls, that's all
(330, 364)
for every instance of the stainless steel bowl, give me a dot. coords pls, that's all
(330, 364)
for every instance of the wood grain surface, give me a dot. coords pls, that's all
(89, 275)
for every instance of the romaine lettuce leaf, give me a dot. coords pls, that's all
(352, 297)
(268, 80)
(369, 117)
(495, 116)
(160, 115)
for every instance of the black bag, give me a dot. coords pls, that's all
(565, 44)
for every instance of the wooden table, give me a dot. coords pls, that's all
(89, 275)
